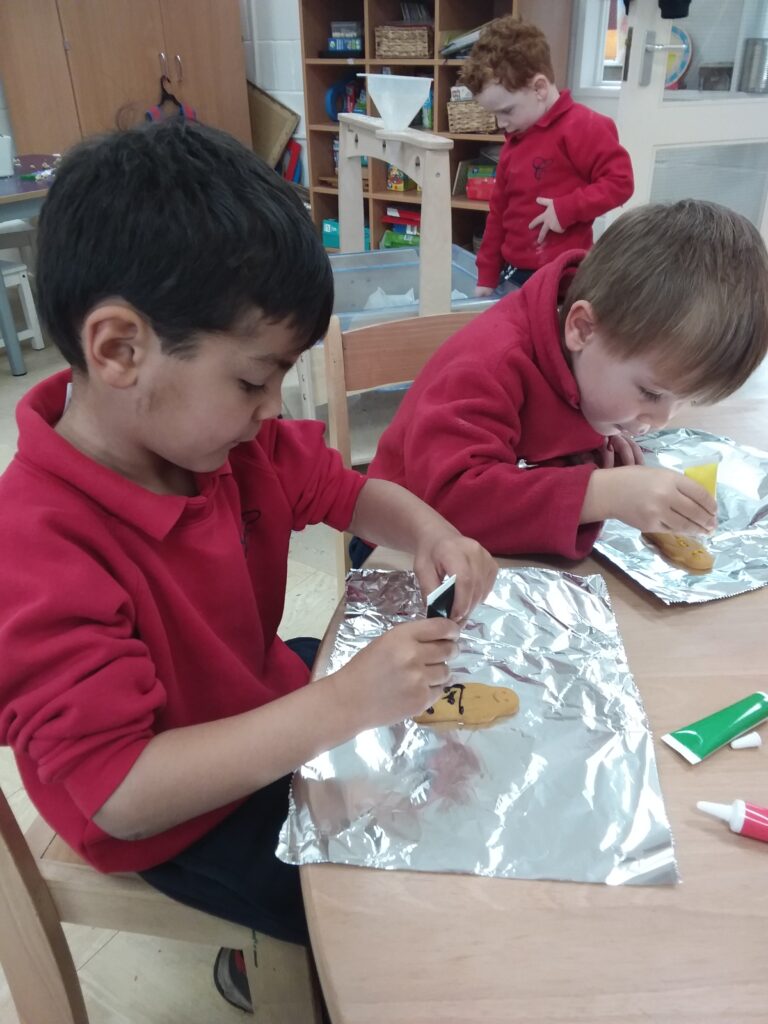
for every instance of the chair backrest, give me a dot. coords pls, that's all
(374, 357)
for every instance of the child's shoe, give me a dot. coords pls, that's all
(230, 979)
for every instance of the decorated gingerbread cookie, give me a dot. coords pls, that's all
(471, 704)
(688, 552)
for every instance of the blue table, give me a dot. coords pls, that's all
(19, 200)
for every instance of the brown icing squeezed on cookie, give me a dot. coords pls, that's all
(450, 697)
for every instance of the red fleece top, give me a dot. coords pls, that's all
(571, 155)
(498, 392)
(124, 613)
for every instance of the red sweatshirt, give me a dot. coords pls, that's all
(571, 155)
(498, 392)
(125, 613)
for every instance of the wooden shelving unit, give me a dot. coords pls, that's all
(320, 73)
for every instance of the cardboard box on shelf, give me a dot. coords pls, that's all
(272, 124)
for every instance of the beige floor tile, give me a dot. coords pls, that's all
(315, 547)
(10, 781)
(84, 943)
(22, 808)
(309, 607)
(136, 978)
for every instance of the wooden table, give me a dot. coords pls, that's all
(19, 200)
(410, 948)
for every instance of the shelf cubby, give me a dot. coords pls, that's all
(322, 72)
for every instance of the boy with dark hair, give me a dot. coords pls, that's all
(144, 526)
(561, 165)
(520, 429)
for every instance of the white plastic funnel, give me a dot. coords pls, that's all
(398, 98)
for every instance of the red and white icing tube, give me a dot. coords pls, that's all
(743, 818)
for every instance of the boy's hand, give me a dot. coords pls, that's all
(654, 500)
(399, 674)
(548, 220)
(620, 450)
(451, 554)
(481, 291)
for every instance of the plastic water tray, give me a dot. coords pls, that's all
(356, 275)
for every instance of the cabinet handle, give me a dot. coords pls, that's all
(179, 68)
(163, 64)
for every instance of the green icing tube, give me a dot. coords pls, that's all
(702, 738)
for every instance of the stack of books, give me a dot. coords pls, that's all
(402, 228)
(461, 43)
(418, 13)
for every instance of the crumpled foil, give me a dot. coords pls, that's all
(740, 542)
(565, 789)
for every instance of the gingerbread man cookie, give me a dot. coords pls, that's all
(471, 704)
(685, 551)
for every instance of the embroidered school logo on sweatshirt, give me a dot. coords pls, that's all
(250, 516)
(539, 165)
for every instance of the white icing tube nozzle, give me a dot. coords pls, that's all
(721, 811)
(751, 739)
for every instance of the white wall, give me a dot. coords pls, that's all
(5, 120)
(272, 42)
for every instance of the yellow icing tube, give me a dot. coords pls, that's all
(705, 474)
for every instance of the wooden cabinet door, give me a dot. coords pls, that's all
(205, 52)
(114, 48)
(36, 77)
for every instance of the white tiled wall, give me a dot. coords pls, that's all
(273, 53)
(5, 121)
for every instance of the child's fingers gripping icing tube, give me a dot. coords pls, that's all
(687, 551)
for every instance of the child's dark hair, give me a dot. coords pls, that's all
(189, 227)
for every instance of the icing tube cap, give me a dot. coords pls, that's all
(751, 739)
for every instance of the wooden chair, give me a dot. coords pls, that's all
(43, 884)
(374, 357)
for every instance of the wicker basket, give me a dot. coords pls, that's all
(466, 116)
(403, 41)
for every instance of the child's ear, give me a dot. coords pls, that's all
(116, 341)
(579, 325)
(540, 85)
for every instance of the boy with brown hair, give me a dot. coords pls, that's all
(520, 430)
(558, 155)
(154, 712)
